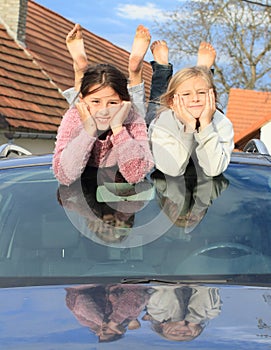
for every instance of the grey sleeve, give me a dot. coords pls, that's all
(137, 94)
(71, 95)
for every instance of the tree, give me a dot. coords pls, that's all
(239, 31)
(260, 3)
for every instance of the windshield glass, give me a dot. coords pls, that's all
(185, 226)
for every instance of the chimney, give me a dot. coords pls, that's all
(13, 15)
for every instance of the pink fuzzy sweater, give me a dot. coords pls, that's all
(75, 149)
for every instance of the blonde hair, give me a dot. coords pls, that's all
(183, 75)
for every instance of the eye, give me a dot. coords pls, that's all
(203, 92)
(95, 101)
(114, 102)
(186, 94)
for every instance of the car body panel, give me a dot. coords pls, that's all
(38, 318)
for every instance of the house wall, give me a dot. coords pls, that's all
(13, 13)
(2, 139)
(35, 146)
(266, 136)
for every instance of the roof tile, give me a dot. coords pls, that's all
(29, 99)
(33, 77)
(248, 110)
(46, 40)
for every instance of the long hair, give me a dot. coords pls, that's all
(104, 75)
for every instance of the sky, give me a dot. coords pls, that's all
(116, 20)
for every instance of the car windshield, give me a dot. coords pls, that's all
(190, 226)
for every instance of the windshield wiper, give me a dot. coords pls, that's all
(171, 281)
(263, 280)
(147, 280)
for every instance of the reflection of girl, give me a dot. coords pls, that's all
(106, 223)
(181, 313)
(109, 222)
(108, 310)
(186, 199)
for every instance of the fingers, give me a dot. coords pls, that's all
(183, 114)
(208, 111)
(125, 108)
(122, 114)
(210, 106)
(82, 108)
(178, 104)
(172, 327)
(86, 118)
(212, 99)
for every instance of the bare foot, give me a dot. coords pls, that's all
(159, 50)
(139, 48)
(206, 55)
(75, 45)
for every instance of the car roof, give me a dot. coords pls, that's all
(46, 159)
(26, 161)
(251, 158)
(218, 226)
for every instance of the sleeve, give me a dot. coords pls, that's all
(171, 146)
(204, 304)
(72, 149)
(133, 151)
(85, 310)
(71, 95)
(127, 303)
(215, 145)
(137, 94)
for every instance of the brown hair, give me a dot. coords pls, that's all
(104, 75)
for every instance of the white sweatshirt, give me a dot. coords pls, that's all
(172, 147)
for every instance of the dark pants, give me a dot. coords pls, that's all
(160, 79)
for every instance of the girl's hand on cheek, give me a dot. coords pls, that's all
(173, 326)
(209, 109)
(183, 114)
(194, 328)
(120, 116)
(86, 118)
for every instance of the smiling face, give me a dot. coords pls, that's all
(194, 92)
(103, 105)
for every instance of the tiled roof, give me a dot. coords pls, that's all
(32, 78)
(248, 110)
(27, 97)
(45, 38)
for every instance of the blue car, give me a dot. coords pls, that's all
(102, 264)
